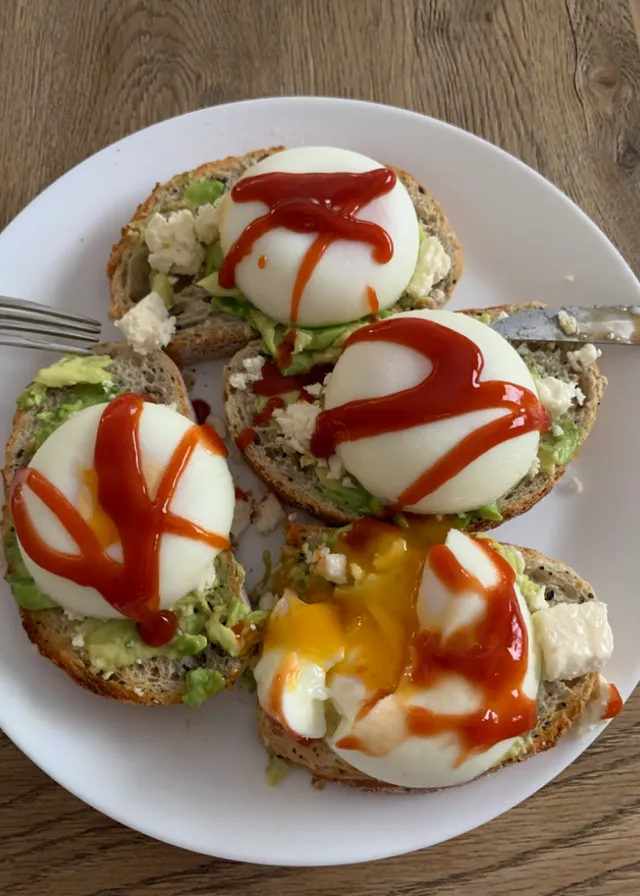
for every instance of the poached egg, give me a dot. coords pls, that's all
(350, 648)
(204, 495)
(389, 463)
(347, 276)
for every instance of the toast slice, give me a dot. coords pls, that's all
(203, 330)
(279, 466)
(155, 680)
(560, 703)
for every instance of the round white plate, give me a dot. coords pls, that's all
(196, 778)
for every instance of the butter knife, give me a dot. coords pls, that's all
(602, 324)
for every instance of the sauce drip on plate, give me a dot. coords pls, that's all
(132, 586)
(325, 204)
(453, 387)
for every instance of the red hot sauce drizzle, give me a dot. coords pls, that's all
(452, 388)
(132, 586)
(322, 203)
(492, 654)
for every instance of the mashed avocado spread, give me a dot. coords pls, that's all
(206, 621)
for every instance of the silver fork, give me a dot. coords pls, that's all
(31, 325)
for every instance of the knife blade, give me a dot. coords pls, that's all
(601, 324)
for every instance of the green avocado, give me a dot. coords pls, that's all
(355, 497)
(202, 192)
(161, 284)
(78, 398)
(213, 258)
(25, 591)
(72, 369)
(559, 450)
(114, 643)
(212, 285)
(202, 684)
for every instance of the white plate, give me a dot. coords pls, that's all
(196, 779)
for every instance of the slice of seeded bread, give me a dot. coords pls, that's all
(560, 703)
(158, 680)
(203, 330)
(281, 471)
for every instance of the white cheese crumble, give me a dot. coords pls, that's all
(138, 691)
(314, 389)
(173, 245)
(567, 323)
(147, 326)
(207, 221)
(336, 469)
(432, 266)
(218, 425)
(332, 567)
(269, 514)
(575, 639)
(267, 601)
(252, 372)
(78, 641)
(557, 395)
(557, 431)
(583, 357)
(534, 469)
(297, 422)
(241, 518)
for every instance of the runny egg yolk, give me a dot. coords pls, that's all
(368, 625)
(90, 509)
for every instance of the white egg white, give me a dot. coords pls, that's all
(424, 762)
(389, 463)
(434, 761)
(205, 496)
(337, 290)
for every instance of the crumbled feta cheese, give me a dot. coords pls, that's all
(332, 567)
(336, 469)
(173, 244)
(575, 639)
(297, 422)
(583, 357)
(269, 514)
(267, 601)
(252, 372)
(501, 315)
(241, 518)
(557, 431)
(138, 691)
(138, 662)
(433, 264)
(207, 220)
(147, 326)
(314, 389)
(78, 641)
(218, 425)
(567, 323)
(574, 484)
(556, 395)
(207, 580)
(580, 396)
(534, 469)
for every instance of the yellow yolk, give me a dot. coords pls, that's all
(90, 509)
(368, 624)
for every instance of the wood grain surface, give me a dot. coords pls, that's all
(556, 83)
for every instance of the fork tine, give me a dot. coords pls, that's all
(25, 309)
(25, 342)
(48, 328)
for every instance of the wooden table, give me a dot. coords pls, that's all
(555, 82)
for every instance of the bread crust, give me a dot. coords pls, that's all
(325, 766)
(50, 630)
(288, 487)
(223, 334)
